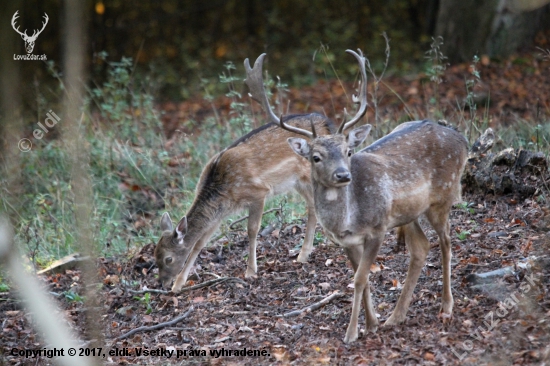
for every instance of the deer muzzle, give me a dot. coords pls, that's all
(341, 175)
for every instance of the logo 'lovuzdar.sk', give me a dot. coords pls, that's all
(29, 40)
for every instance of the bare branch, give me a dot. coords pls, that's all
(314, 306)
(155, 327)
(212, 282)
(246, 217)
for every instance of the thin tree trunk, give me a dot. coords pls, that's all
(74, 64)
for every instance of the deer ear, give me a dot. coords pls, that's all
(166, 222)
(299, 146)
(181, 230)
(358, 135)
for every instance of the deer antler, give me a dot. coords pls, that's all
(13, 19)
(362, 93)
(35, 34)
(24, 34)
(255, 82)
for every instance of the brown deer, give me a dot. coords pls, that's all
(242, 176)
(413, 171)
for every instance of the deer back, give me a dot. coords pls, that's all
(261, 163)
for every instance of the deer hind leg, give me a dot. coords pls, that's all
(440, 222)
(418, 246)
(307, 247)
(362, 257)
(255, 212)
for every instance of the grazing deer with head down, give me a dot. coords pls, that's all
(242, 176)
(413, 171)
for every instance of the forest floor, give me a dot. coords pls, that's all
(246, 314)
(502, 324)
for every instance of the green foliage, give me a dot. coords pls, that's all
(436, 68)
(319, 238)
(146, 301)
(463, 235)
(524, 134)
(470, 97)
(4, 287)
(436, 57)
(72, 296)
(465, 206)
(128, 166)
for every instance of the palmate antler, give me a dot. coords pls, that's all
(362, 99)
(254, 80)
(29, 40)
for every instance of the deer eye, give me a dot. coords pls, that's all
(350, 153)
(316, 158)
(168, 260)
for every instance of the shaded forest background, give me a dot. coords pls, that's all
(176, 44)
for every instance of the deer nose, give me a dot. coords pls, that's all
(342, 175)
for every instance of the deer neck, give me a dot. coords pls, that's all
(336, 210)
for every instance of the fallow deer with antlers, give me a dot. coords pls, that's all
(256, 166)
(415, 170)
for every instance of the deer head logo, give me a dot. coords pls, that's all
(29, 40)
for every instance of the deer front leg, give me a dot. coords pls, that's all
(307, 247)
(361, 288)
(255, 213)
(418, 246)
(182, 277)
(354, 254)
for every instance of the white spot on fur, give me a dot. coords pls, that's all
(332, 194)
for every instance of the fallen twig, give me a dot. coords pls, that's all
(314, 306)
(151, 290)
(212, 282)
(246, 217)
(154, 327)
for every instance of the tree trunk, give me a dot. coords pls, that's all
(493, 27)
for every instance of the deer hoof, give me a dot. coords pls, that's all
(372, 327)
(176, 287)
(350, 337)
(250, 274)
(393, 320)
(303, 257)
(445, 318)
